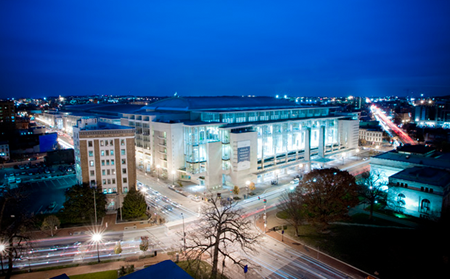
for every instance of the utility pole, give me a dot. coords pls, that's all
(95, 208)
(184, 234)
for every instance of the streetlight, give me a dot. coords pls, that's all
(157, 167)
(97, 237)
(276, 172)
(173, 177)
(2, 250)
(248, 185)
(184, 234)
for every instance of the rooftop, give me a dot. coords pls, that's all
(440, 162)
(425, 175)
(417, 149)
(224, 103)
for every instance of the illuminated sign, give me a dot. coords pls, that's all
(243, 155)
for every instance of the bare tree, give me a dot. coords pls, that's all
(50, 223)
(371, 189)
(15, 226)
(290, 203)
(222, 231)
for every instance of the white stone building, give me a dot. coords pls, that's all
(419, 191)
(212, 141)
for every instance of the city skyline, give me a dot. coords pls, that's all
(213, 49)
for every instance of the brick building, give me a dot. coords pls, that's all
(105, 158)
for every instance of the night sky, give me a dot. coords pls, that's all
(223, 47)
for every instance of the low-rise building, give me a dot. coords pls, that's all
(419, 191)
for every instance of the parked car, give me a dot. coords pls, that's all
(295, 181)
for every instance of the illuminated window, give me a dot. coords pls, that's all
(112, 162)
(122, 151)
(103, 172)
(103, 162)
(91, 163)
(102, 153)
(401, 200)
(91, 153)
(425, 205)
(111, 152)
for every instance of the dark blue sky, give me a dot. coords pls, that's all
(223, 47)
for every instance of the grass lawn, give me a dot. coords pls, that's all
(110, 274)
(393, 253)
(362, 218)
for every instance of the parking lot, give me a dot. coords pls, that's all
(46, 184)
(48, 194)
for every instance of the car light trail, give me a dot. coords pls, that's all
(400, 133)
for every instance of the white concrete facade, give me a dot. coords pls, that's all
(228, 145)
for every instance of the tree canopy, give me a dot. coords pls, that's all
(326, 195)
(134, 205)
(79, 204)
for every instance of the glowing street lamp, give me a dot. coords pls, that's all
(2, 250)
(173, 177)
(96, 238)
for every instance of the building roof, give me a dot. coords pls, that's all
(116, 109)
(224, 103)
(437, 162)
(162, 270)
(417, 149)
(425, 175)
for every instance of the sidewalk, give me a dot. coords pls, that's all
(273, 221)
(138, 264)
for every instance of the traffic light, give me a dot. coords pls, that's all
(265, 201)
(259, 198)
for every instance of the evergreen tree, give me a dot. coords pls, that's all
(134, 205)
(79, 204)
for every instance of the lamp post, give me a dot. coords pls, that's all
(2, 250)
(276, 172)
(157, 168)
(97, 237)
(184, 234)
(248, 185)
(173, 177)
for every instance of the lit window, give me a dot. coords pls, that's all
(122, 151)
(103, 162)
(91, 153)
(102, 153)
(112, 162)
(111, 152)
(91, 163)
(103, 172)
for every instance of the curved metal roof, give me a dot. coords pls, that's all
(227, 103)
